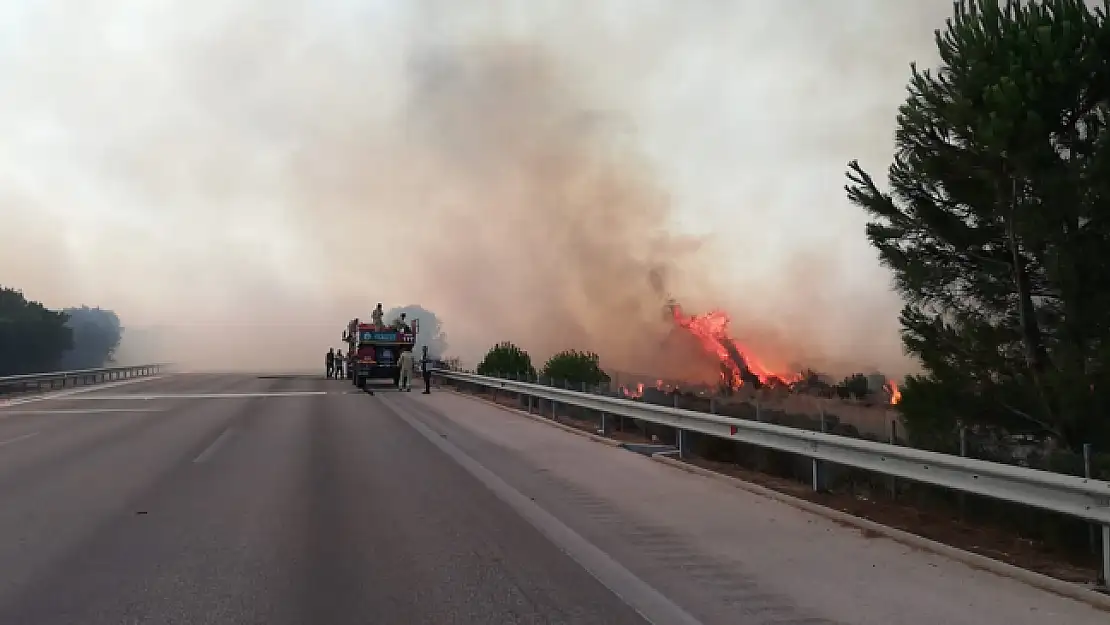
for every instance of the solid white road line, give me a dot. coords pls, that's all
(18, 438)
(79, 411)
(144, 397)
(211, 450)
(77, 391)
(651, 604)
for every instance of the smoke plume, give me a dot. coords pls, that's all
(237, 180)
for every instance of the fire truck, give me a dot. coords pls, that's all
(373, 352)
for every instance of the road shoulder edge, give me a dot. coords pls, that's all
(1037, 580)
(973, 560)
(555, 424)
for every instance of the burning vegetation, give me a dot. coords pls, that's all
(740, 368)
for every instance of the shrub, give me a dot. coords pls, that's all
(506, 359)
(577, 368)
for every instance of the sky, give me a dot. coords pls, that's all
(237, 179)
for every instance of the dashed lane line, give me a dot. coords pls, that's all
(78, 411)
(18, 438)
(215, 446)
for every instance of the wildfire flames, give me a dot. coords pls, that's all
(739, 367)
(895, 394)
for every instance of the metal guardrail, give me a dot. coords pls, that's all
(81, 377)
(1086, 499)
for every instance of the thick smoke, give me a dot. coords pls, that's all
(239, 181)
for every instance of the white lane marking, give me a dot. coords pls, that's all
(144, 397)
(651, 604)
(77, 391)
(18, 438)
(211, 450)
(80, 411)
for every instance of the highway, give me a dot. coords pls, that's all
(196, 498)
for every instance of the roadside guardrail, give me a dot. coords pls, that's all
(82, 377)
(1083, 498)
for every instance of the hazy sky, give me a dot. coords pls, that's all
(518, 167)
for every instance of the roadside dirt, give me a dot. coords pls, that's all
(993, 542)
(943, 526)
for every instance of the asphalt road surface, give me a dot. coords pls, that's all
(296, 500)
(192, 506)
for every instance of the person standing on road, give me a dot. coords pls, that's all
(426, 369)
(339, 364)
(329, 360)
(406, 365)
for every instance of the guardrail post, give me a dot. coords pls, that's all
(1104, 573)
(682, 443)
(818, 472)
(1091, 533)
(962, 500)
(893, 440)
(1103, 580)
(760, 453)
(521, 399)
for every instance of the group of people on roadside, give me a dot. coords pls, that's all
(334, 362)
(405, 362)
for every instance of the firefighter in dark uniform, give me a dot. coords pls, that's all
(426, 369)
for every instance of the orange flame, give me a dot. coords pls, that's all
(895, 394)
(712, 331)
(739, 366)
(639, 392)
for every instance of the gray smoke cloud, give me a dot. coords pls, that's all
(237, 180)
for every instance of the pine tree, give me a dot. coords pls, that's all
(997, 223)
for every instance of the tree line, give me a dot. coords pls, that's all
(34, 338)
(571, 367)
(583, 368)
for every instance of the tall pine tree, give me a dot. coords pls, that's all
(997, 223)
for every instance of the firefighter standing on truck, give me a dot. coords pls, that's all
(405, 363)
(376, 316)
(400, 324)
